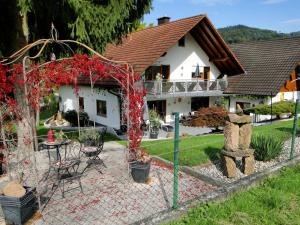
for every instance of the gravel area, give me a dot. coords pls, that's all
(215, 169)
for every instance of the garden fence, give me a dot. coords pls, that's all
(182, 170)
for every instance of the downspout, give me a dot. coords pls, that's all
(271, 108)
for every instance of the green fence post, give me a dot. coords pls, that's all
(176, 161)
(294, 130)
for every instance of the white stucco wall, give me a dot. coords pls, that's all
(69, 101)
(285, 96)
(183, 60)
(282, 96)
(181, 105)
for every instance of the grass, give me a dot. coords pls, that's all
(276, 201)
(42, 131)
(197, 150)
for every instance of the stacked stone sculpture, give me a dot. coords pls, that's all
(237, 132)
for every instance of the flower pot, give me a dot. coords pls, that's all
(140, 171)
(153, 135)
(19, 210)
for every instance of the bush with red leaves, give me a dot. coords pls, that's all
(210, 117)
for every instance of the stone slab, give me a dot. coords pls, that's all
(248, 165)
(245, 136)
(231, 136)
(229, 166)
(239, 119)
(238, 153)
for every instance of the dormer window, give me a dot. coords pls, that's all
(181, 42)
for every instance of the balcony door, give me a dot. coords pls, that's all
(206, 73)
(152, 71)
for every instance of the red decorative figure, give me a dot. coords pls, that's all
(50, 136)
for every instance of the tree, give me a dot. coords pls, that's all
(93, 22)
(143, 25)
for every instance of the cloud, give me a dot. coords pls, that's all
(271, 2)
(295, 21)
(212, 2)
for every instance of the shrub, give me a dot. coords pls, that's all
(71, 116)
(210, 117)
(277, 108)
(266, 147)
(154, 118)
(90, 137)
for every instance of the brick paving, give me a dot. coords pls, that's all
(112, 197)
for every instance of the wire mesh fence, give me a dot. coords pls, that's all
(109, 195)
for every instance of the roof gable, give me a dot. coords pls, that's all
(143, 48)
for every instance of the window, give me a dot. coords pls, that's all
(101, 108)
(181, 42)
(152, 71)
(297, 70)
(81, 103)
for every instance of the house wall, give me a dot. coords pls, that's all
(69, 101)
(183, 60)
(181, 105)
(281, 96)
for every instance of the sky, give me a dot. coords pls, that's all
(279, 15)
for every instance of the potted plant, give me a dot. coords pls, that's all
(17, 210)
(140, 165)
(60, 135)
(154, 123)
(90, 137)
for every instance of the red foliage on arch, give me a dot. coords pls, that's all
(40, 80)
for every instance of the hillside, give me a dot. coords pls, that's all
(241, 33)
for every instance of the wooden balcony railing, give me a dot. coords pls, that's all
(185, 87)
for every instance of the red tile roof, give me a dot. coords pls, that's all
(142, 48)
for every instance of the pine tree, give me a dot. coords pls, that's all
(93, 22)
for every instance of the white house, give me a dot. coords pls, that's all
(184, 65)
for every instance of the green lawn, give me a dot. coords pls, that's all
(42, 131)
(196, 150)
(276, 201)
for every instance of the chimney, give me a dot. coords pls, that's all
(163, 20)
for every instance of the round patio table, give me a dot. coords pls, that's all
(57, 146)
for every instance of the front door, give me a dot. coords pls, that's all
(159, 106)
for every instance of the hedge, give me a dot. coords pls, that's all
(277, 108)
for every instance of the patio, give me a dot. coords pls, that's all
(112, 197)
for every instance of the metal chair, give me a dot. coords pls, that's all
(68, 168)
(65, 165)
(92, 149)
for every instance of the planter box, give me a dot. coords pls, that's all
(19, 210)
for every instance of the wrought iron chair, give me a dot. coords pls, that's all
(92, 148)
(64, 159)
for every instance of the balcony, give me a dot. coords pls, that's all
(176, 88)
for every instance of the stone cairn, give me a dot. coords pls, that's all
(237, 132)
